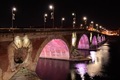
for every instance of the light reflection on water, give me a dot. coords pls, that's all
(95, 67)
(49, 69)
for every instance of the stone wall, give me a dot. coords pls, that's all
(0, 74)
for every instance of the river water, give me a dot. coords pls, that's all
(103, 66)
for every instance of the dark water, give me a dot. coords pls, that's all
(104, 65)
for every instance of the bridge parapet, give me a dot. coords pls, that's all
(7, 34)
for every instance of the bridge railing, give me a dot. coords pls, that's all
(19, 30)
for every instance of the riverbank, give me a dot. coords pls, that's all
(25, 74)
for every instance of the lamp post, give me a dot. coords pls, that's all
(85, 21)
(81, 26)
(62, 20)
(13, 18)
(100, 28)
(92, 25)
(13, 15)
(74, 19)
(51, 7)
(45, 17)
(96, 26)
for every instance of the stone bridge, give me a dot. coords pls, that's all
(23, 47)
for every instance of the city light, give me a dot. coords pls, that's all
(85, 21)
(62, 20)
(51, 7)
(74, 19)
(84, 18)
(13, 15)
(45, 18)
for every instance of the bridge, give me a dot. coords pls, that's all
(23, 47)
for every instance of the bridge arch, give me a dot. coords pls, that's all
(56, 46)
(103, 38)
(94, 40)
(99, 39)
(83, 42)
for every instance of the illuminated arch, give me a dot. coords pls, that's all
(83, 42)
(56, 49)
(103, 38)
(94, 41)
(99, 39)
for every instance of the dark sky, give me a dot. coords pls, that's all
(30, 12)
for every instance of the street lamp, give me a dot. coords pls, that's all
(85, 21)
(45, 16)
(96, 26)
(81, 26)
(63, 19)
(13, 18)
(92, 24)
(51, 7)
(74, 19)
(13, 15)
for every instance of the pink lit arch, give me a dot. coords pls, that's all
(83, 42)
(94, 41)
(99, 39)
(56, 49)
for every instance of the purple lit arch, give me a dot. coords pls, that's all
(99, 39)
(83, 42)
(56, 49)
(94, 41)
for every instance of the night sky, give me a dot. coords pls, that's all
(30, 12)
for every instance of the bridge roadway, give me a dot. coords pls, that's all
(38, 39)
